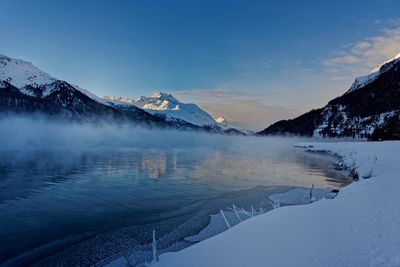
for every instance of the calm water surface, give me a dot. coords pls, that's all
(63, 207)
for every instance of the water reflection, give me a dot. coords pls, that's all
(50, 199)
(216, 169)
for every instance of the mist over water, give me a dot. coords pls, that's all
(66, 190)
(28, 134)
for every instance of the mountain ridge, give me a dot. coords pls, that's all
(25, 89)
(369, 109)
(166, 105)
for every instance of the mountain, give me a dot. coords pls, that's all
(227, 127)
(369, 109)
(166, 106)
(223, 123)
(25, 89)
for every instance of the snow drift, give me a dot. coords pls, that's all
(360, 227)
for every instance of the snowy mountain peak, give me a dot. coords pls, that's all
(22, 73)
(164, 96)
(364, 80)
(165, 104)
(32, 81)
(220, 120)
(223, 123)
(172, 108)
(386, 63)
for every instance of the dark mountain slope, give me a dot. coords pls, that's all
(27, 90)
(65, 101)
(369, 109)
(302, 125)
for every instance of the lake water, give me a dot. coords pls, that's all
(61, 205)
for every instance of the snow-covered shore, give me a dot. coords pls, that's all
(360, 227)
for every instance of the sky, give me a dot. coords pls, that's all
(252, 62)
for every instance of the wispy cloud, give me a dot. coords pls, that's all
(361, 57)
(211, 93)
(257, 107)
(243, 109)
(249, 113)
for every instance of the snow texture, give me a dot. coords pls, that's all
(172, 108)
(223, 123)
(360, 227)
(32, 81)
(364, 80)
(21, 73)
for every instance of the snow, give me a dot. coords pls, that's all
(166, 104)
(360, 227)
(378, 120)
(326, 114)
(365, 125)
(300, 195)
(91, 95)
(162, 103)
(223, 123)
(364, 80)
(21, 73)
(220, 120)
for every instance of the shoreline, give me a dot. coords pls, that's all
(324, 233)
(286, 195)
(61, 252)
(291, 196)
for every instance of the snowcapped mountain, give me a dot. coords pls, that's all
(165, 105)
(21, 73)
(369, 109)
(25, 89)
(25, 76)
(364, 80)
(228, 128)
(222, 122)
(32, 81)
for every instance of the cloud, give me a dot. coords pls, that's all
(258, 106)
(363, 56)
(211, 93)
(243, 109)
(249, 114)
(339, 78)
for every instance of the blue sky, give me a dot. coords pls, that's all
(253, 62)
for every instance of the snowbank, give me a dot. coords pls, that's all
(360, 227)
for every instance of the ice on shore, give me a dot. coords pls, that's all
(360, 227)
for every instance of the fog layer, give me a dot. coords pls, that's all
(21, 133)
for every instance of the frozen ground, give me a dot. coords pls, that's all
(360, 227)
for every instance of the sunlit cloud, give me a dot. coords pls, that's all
(211, 93)
(361, 57)
(242, 109)
(255, 107)
(249, 114)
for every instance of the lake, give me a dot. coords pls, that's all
(88, 202)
